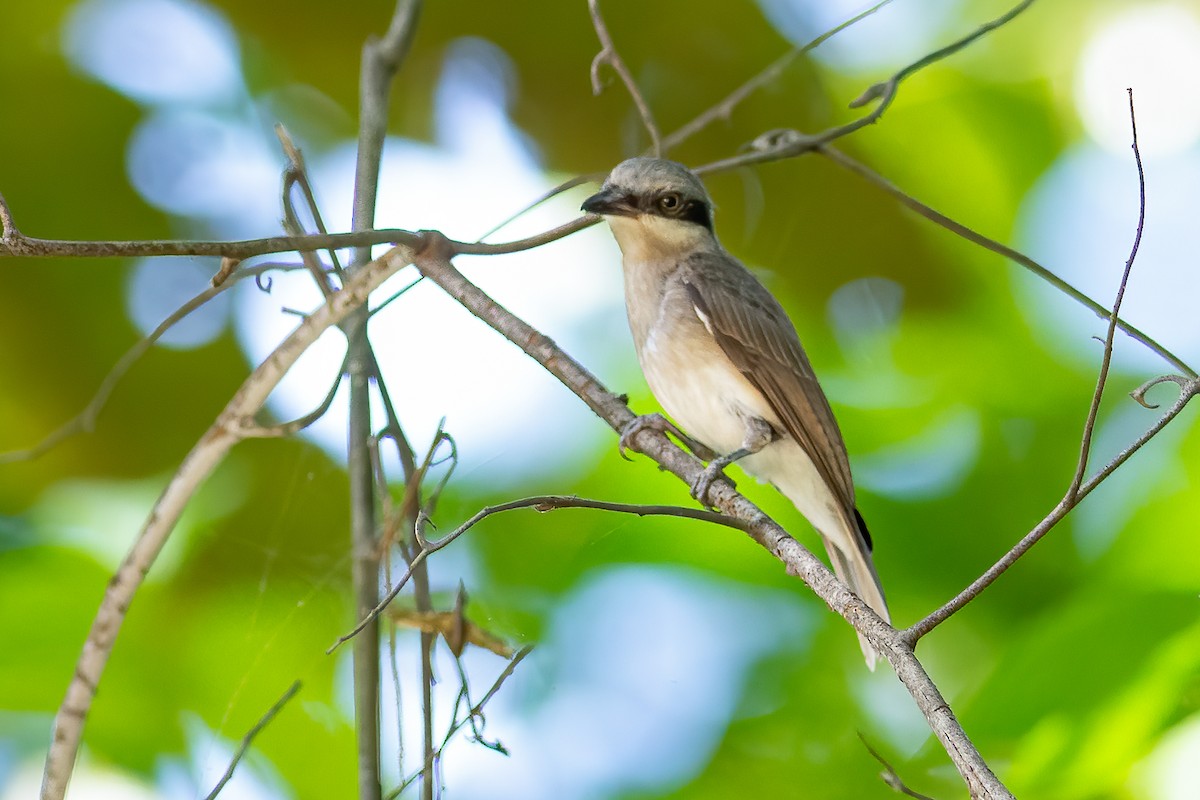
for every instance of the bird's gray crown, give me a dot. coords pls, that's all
(643, 176)
(653, 186)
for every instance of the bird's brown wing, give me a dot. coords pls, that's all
(758, 337)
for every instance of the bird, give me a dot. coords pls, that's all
(724, 361)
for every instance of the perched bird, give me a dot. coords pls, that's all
(724, 360)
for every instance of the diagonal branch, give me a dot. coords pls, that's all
(889, 774)
(1189, 389)
(434, 263)
(248, 739)
(776, 145)
(724, 109)
(473, 713)
(204, 457)
(1017, 257)
(85, 420)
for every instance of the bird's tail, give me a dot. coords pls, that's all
(852, 563)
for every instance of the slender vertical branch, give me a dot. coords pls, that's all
(1106, 361)
(196, 466)
(608, 55)
(380, 60)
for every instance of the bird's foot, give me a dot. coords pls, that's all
(715, 469)
(657, 422)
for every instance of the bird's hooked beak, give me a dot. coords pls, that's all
(608, 202)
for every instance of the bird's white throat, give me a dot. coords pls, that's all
(649, 238)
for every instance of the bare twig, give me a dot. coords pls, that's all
(570, 183)
(913, 633)
(381, 59)
(889, 775)
(1089, 425)
(292, 427)
(910, 202)
(474, 712)
(1139, 394)
(27, 246)
(608, 55)
(209, 451)
(1078, 488)
(263, 722)
(724, 109)
(776, 145)
(393, 297)
(541, 503)
(296, 174)
(410, 501)
(85, 420)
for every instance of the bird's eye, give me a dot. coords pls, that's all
(669, 202)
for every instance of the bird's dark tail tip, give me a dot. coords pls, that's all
(862, 529)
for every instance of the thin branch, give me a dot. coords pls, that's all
(776, 145)
(85, 420)
(394, 429)
(410, 501)
(393, 297)
(1019, 258)
(296, 174)
(292, 427)
(724, 109)
(1189, 389)
(529, 242)
(1089, 425)
(608, 55)
(889, 774)
(27, 246)
(244, 747)
(204, 457)
(381, 59)
(570, 183)
(1078, 489)
(23, 246)
(1139, 394)
(475, 711)
(540, 503)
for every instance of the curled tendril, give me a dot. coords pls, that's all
(1139, 394)
(264, 282)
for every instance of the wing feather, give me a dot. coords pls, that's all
(758, 337)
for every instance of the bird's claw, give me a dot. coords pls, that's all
(655, 422)
(629, 432)
(704, 481)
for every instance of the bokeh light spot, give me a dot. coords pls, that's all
(1155, 50)
(155, 51)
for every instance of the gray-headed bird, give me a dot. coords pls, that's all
(724, 360)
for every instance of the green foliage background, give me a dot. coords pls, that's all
(1068, 673)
